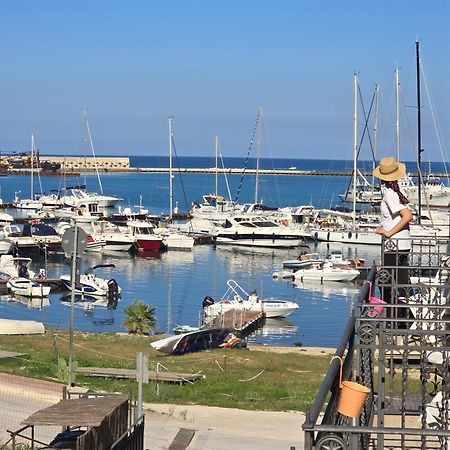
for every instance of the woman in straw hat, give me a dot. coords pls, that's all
(395, 218)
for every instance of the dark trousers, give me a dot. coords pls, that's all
(397, 265)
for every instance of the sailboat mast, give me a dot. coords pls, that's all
(419, 134)
(170, 170)
(217, 168)
(88, 131)
(355, 144)
(375, 133)
(397, 113)
(32, 168)
(85, 144)
(258, 147)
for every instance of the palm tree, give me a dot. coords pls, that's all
(140, 318)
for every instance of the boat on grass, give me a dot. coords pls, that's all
(194, 341)
(9, 326)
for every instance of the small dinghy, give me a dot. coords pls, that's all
(27, 288)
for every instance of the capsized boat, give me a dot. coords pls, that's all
(90, 284)
(236, 298)
(10, 326)
(194, 341)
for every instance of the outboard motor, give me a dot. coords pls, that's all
(207, 301)
(113, 293)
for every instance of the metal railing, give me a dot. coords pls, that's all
(400, 351)
(133, 438)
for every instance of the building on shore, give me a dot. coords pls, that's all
(81, 163)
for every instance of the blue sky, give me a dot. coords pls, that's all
(210, 65)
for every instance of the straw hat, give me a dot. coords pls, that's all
(389, 169)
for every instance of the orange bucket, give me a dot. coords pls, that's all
(352, 396)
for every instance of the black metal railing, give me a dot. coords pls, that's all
(398, 348)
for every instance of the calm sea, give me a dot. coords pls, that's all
(176, 282)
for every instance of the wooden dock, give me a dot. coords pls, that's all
(168, 377)
(243, 322)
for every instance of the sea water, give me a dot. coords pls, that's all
(175, 282)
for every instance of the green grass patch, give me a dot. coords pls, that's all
(246, 379)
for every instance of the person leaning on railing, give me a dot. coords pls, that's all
(394, 221)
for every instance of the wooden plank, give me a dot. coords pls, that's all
(171, 377)
(182, 439)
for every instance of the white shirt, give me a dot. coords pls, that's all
(390, 216)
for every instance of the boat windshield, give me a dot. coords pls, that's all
(265, 223)
(144, 230)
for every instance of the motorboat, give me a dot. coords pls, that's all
(326, 271)
(144, 234)
(27, 288)
(86, 210)
(114, 238)
(236, 298)
(90, 284)
(126, 214)
(303, 261)
(6, 246)
(194, 341)
(16, 266)
(76, 196)
(92, 245)
(175, 240)
(33, 236)
(256, 231)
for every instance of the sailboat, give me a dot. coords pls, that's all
(81, 194)
(214, 207)
(431, 188)
(172, 238)
(31, 203)
(348, 231)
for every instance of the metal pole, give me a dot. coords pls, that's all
(72, 304)
(419, 135)
(140, 373)
(170, 170)
(355, 144)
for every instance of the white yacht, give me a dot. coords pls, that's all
(256, 231)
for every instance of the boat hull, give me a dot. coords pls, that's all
(27, 288)
(254, 240)
(347, 237)
(271, 308)
(337, 274)
(148, 244)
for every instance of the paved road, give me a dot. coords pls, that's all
(212, 428)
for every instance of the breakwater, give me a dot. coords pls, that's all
(75, 170)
